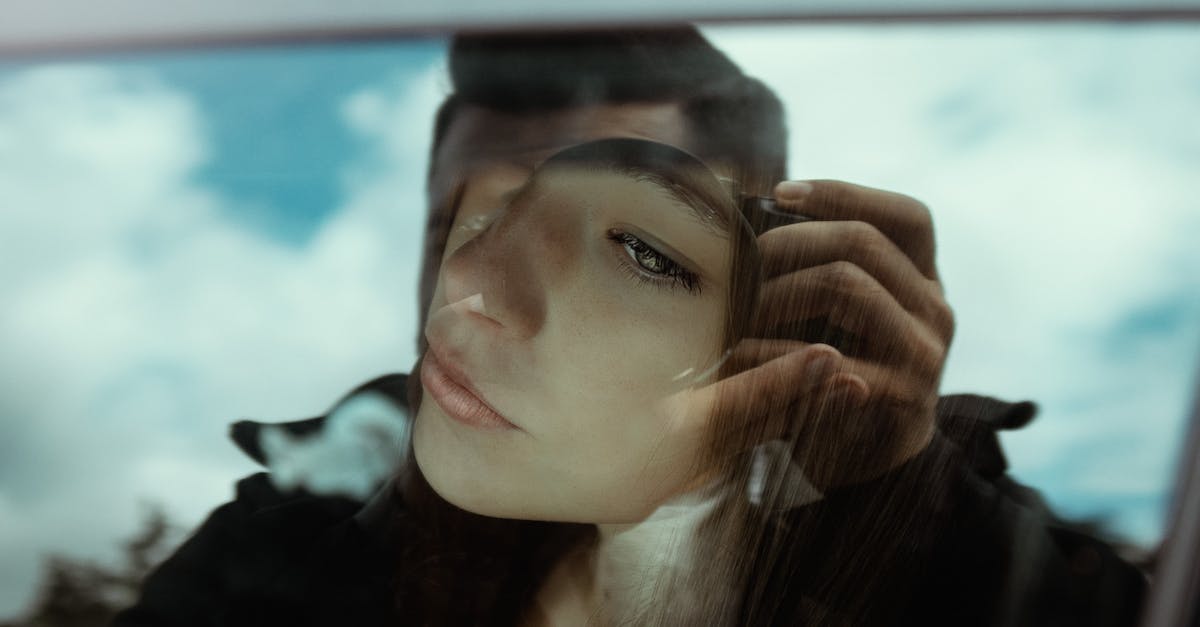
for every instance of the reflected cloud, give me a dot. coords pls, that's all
(140, 319)
(360, 445)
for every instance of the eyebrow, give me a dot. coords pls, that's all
(531, 191)
(698, 210)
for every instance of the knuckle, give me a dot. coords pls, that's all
(922, 219)
(904, 394)
(842, 274)
(943, 316)
(917, 211)
(930, 356)
(782, 247)
(773, 239)
(938, 314)
(863, 236)
(917, 206)
(913, 217)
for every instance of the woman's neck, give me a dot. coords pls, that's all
(630, 570)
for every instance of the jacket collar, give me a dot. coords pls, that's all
(246, 434)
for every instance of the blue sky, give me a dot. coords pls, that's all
(189, 238)
(277, 141)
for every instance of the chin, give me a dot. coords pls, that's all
(458, 474)
(460, 485)
(465, 499)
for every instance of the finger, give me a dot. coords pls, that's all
(903, 219)
(845, 436)
(851, 300)
(795, 246)
(795, 394)
(770, 388)
(753, 352)
(855, 404)
(798, 246)
(880, 388)
(885, 400)
(893, 401)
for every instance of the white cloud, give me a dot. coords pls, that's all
(1059, 163)
(138, 322)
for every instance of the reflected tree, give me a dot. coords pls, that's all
(78, 592)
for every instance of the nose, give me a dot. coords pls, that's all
(500, 274)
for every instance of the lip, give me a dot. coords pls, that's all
(452, 390)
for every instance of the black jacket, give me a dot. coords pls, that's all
(947, 539)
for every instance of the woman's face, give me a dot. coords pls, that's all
(560, 328)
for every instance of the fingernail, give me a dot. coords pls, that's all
(792, 190)
(850, 397)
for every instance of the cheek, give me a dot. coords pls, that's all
(622, 363)
(604, 443)
(641, 344)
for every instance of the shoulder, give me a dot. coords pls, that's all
(364, 428)
(270, 557)
(951, 538)
(280, 554)
(289, 502)
(247, 434)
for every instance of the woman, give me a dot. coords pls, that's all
(576, 341)
(573, 458)
(582, 452)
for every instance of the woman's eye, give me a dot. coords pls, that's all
(655, 263)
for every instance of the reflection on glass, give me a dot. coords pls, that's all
(659, 387)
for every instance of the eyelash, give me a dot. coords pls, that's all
(672, 275)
